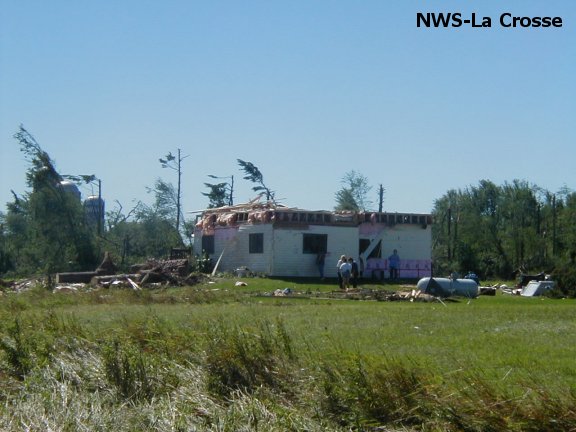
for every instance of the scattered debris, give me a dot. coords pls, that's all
(524, 279)
(488, 290)
(242, 271)
(411, 296)
(282, 292)
(106, 267)
(73, 288)
(510, 291)
(21, 285)
(75, 277)
(537, 288)
(134, 284)
(175, 272)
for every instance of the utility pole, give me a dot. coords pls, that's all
(231, 197)
(381, 199)
(178, 193)
(554, 217)
(100, 210)
(449, 224)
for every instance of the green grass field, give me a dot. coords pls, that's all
(225, 358)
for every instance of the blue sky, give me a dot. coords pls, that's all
(307, 90)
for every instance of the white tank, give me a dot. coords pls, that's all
(445, 287)
(94, 210)
(70, 188)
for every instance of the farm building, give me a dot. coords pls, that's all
(280, 241)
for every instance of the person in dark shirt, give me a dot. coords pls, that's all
(320, 261)
(354, 272)
(394, 265)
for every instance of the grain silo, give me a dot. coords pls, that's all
(94, 211)
(70, 188)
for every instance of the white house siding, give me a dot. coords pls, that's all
(288, 256)
(413, 243)
(234, 241)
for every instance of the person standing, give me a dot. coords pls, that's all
(345, 272)
(340, 261)
(394, 265)
(354, 272)
(320, 261)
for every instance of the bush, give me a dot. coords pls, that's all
(565, 279)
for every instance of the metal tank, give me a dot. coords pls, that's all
(446, 287)
(94, 211)
(69, 187)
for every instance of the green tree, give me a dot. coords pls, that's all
(48, 223)
(140, 234)
(483, 221)
(14, 232)
(520, 211)
(345, 201)
(565, 259)
(218, 194)
(445, 231)
(495, 230)
(254, 175)
(164, 209)
(354, 193)
(165, 201)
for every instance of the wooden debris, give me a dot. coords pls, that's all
(107, 266)
(134, 284)
(74, 277)
(488, 291)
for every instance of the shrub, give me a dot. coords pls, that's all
(565, 279)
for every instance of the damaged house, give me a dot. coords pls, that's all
(280, 241)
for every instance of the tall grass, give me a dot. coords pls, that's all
(250, 358)
(161, 361)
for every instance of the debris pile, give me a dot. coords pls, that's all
(488, 290)
(19, 286)
(282, 292)
(106, 267)
(174, 272)
(411, 296)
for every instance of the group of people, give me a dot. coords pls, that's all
(348, 272)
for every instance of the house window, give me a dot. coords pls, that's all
(315, 243)
(208, 244)
(256, 243)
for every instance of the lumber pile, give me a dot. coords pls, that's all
(169, 272)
